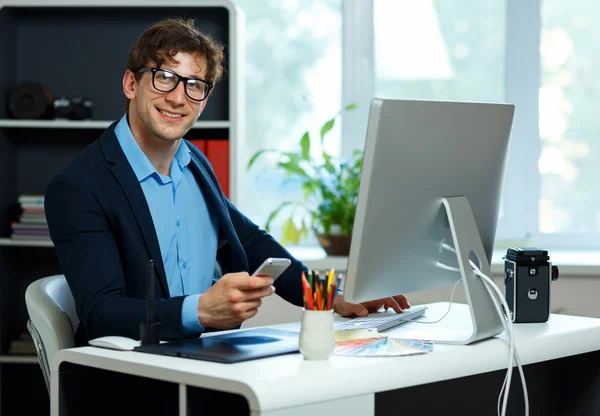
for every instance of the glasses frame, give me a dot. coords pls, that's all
(179, 79)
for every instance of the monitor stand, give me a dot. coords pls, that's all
(484, 316)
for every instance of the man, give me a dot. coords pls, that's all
(140, 192)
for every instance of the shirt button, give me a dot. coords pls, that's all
(185, 264)
(178, 223)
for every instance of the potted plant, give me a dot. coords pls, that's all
(330, 188)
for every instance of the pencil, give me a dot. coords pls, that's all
(324, 292)
(308, 296)
(330, 276)
(330, 296)
(328, 288)
(337, 286)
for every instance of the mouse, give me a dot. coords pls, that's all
(115, 342)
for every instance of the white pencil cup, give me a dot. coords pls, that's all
(317, 339)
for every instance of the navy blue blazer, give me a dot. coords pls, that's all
(104, 236)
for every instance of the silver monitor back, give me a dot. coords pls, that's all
(417, 155)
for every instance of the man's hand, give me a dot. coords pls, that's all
(234, 298)
(343, 308)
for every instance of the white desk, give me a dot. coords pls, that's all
(288, 385)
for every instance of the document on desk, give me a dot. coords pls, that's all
(231, 347)
(370, 343)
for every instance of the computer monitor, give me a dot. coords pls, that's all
(432, 178)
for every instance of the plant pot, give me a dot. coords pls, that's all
(335, 245)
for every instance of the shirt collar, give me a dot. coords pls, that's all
(183, 154)
(141, 165)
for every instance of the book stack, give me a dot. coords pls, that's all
(32, 223)
(23, 345)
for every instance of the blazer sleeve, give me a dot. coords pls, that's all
(258, 245)
(90, 260)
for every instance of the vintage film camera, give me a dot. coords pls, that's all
(74, 108)
(527, 277)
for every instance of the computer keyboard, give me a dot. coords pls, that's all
(383, 320)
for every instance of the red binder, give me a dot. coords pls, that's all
(200, 144)
(217, 152)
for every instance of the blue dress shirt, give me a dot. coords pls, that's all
(186, 230)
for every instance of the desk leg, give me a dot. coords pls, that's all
(55, 391)
(353, 406)
(183, 400)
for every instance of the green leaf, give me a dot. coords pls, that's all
(309, 188)
(258, 154)
(328, 165)
(326, 128)
(292, 167)
(350, 106)
(305, 145)
(274, 214)
(290, 232)
(293, 157)
(303, 230)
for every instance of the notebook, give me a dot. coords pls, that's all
(231, 347)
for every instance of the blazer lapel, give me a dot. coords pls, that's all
(135, 195)
(213, 199)
(211, 195)
(208, 188)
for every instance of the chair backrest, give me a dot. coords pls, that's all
(52, 318)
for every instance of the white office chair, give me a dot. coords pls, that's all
(52, 319)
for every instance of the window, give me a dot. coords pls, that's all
(570, 151)
(440, 50)
(293, 83)
(538, 55)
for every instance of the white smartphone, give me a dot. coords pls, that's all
(272, 267)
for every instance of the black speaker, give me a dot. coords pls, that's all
(30, 100)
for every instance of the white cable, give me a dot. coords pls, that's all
(444, 315)
(499, 303)
(507, 323)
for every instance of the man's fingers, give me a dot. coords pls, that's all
(243, 281)
(352, 309)
(243, 307)
(391, 302)
(373, 305)
(252, 294)
(249, 314)
(402, 301)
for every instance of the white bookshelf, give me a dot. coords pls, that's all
(9, 242)
(90, 124)
(32, 151)
(18, 359)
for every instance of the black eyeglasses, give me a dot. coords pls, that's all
(165, 80)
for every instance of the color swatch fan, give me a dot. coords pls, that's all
(377, 345)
